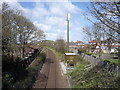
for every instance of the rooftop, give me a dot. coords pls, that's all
(79, 42)
(93, 41)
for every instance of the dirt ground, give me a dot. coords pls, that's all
(51, 75)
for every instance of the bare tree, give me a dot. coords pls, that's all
(88, 33)
(60, 45)
(108, 14)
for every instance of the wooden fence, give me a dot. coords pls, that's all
(104, 64)
(26, 61)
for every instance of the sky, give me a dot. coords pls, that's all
(51, 18)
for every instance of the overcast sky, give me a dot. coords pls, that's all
(51, 17)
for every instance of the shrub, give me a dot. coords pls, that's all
(88, 53)
(7, 80)
(94, 77)
(114, 53)
(14, 77)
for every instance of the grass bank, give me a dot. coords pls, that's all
(32, 73)
(87, 76)
(115, 61)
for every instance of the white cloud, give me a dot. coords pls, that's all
(43, 27)
(51, 36)
(51, 17)
(9, 1)
(39, 11)
(16, 5)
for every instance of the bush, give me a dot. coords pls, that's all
(29, 80)
(93, 77)
(7, 63)
(114, 53)
(7, 80)
(14, 77)
(32, 72)
(82, 50)
(113, 61)
(23, 83)
(43, 56)
(88, 53)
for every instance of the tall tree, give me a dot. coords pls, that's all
(60, 45)
(17, 30)
(6, 27)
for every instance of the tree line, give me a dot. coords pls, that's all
(17, 31)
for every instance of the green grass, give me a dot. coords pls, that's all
(37, 60)
(115, 61)
(60, 55)
(87, 53)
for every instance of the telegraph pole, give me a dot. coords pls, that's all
(68, 21)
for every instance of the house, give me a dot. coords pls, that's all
(79, 44)
(74, 46)
(94, 42)
(95, 46)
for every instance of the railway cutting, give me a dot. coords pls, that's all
(51, 75)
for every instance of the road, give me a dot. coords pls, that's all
(51, 75)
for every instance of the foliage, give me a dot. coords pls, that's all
(106, 26)
(83, 50)
(113, 61)
(61, 56)
(87, 76)
(87, 53)
(106, 15)
(17, 31)
(7, 80)
(60, 45)
(14, 77)
(29, 80)
(114, 53)
(48, 43)
(32, 73)
(10, 71)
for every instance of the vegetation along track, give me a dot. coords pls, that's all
(51, 76)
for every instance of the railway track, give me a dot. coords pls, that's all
(50, 76)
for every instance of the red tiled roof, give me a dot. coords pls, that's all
(79, 42)
(115, 45)
(93, 41)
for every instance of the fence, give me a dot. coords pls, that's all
(107, 56)
(26, 61)
(91, 59)
(104, 64)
